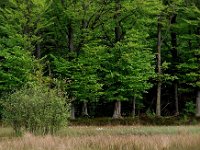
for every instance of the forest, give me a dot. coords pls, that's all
(99, 58)
(99, 74)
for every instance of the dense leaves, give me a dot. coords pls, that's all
(36, 109)
(104, 52)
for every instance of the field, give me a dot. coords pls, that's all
(107, 138)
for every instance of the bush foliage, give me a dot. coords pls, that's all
(36, 109)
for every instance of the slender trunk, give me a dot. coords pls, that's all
(49, 69)
(70, 37)
(198, 104)
(118, 32)
(174, 38)
(72, 111)
(139, 112)
(38, 51)
(84, 21)
(85, 110)
(176, 98)
(174, 53)
(117, 110)
(158, 105)
(83, 33)
(72, 105)
(133, 111)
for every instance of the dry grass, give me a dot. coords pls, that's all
(110, 138)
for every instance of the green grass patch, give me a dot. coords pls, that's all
(80, 131)
(127, 130)
(6, 132)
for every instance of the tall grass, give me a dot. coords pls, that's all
(110, 138)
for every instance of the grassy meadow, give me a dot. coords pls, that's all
(107, 138)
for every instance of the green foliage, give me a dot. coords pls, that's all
(15, 68)
(21, 24)
(188, 28)
(126, 68)
(101, 49)
(150, 113)
(189, 108)
(24, 20)
(37, 109)
(80, 74)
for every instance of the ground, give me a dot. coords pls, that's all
(107, 138)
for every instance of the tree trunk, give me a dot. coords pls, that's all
(133, 111)
(49, 69)
(158, 104)
(38, 51)
(176, 98)
(118, 32)
(198, 104)
(84, 21)
(72, 111)
(174, 53)
(70, 37)
(117, 110)
(85, 110)
(82, 38)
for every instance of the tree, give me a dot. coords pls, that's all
(171, 13)
(74, 31)
(189, 65)
(124, 19)
(126, 68)
(21, 25)
(158, 106)
(80, 75)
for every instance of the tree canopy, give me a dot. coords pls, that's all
(113, 56)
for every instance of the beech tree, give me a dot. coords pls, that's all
(126, 49)
(80, 75)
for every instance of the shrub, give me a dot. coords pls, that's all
(36, 109)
